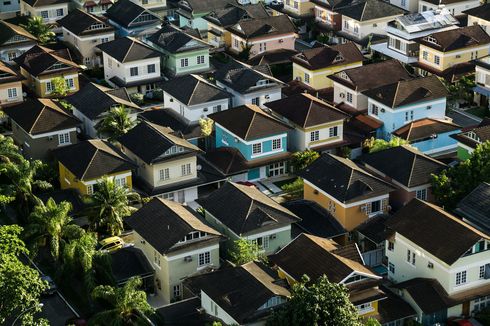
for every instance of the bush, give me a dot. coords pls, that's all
(137, 98)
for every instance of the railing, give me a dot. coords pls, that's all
(374, 257)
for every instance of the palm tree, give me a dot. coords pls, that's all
(9, 152)
(116, 123)
(78, 256)
(36, 26)
(127, 304)
(111, 205)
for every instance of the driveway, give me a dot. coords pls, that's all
(55, 310)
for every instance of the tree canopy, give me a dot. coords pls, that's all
(116, 123)
(40, 30)
(301, 160)
(245, 251)
(374, 145)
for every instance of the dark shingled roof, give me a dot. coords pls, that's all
(325, 56)
(404, 164)
(11, 74)
(8, 30)
(370, 9)
(38, 59)
(231, 15)
(374, 228)
(344, 180)
(92, 159)
(78, 22)
(393, 308)
(428, 294)
(272, 57)
(192, 90)
(40, 116)
(249, 122)
(130, 262)
(424, 128)
(163, 223)
(203, 6)
(174, 40)
(124, 12)
(333, 4)
(186, 312)
(475, 207)
(482, 132)
(428, 226)
(128, 49)
(482, 12)
(258, 27)
(457, 38)
(305, 110)
(41, 3)
(252, 210)
(173, 120)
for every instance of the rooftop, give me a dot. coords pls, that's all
(323, 57)
(475, 207)
(456, 38)
(128, 49)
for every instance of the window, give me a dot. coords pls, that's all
(104, 40)
(120, 182)
(375, 206)
(409, 115)
(12, 92)
(276, 144)
(151, 68)
(404, 3)
(176, 289)
(200, 59)
(391, 246)
(410, 257)
(144, 2)
(7, 3)
(44, 14)
(437, 60)
(391, 268)
(374, 109)
(133, 71)
(11, 55)
(257, 148)
(425, 55)
(421, 194)
(64, 138)
(204, 258)
(49, 87)
(481, 274)
(86, 61)
(59, 12)
(256, 100)
(164, 174)
(69, 83)
(461, 278)
(156, 257)
(333, 131)
(356, 29)
(217, 108)
(307, 78)
(296, 5)
(349, 97)
(236, 44)
(364, 308)
(262, 47)
(186, 169)
(314, 135)
(168, 196)
(184, 62)
(346, 24)
(90, 189)
(277, 169)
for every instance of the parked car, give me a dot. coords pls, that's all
(110, 244)
(52, 288)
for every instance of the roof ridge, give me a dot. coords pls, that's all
(307, 114)
(38, 116)
(90, 162)
(250, 124)
(412, 168)
(127, 52)
(193, 91)
(364, 9)
(396, 92)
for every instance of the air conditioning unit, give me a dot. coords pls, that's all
(272, 236)
(342, 95)
(364, 208)
(383, 110)
(430, 265)
(267, 97)
(315, 192)
(188, 259)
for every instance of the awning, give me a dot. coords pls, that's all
(481, 90)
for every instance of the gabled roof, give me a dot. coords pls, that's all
(124, 12)
(305, 110)
(374, 228)
(231, 15)
(370, 9)
(433, 229)
(38, 59)
(475, 207)
(245, 209)
(344, 180)
(130, 262)
(482, 12)
(204, 6)
(333, 4)
(259, 27)
(8, 30)
(482, 133)
(40, 116)
(174, 40)
(194, 90)
(94, 100)
(173, 120)
(128, 49)
(324, 257)
(79, 22)
(456, 38)
(162, 139)
(92, 159)
(326, 56)
(409, 91)
(424, 128)
(163, 223)
(249, 122)
(41, 3)
(8, 74)
(428, 294)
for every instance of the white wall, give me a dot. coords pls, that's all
(359, 101)
(454, 8)
(265, 95)
(214, 310)
(193, 112)
(122, 70)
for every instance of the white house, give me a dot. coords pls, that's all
(456, 8)
(49, 10)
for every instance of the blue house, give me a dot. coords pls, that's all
(250, 144)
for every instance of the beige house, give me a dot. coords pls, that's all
(10, 85)
(49, 10)
(14, 41)
(479, 16)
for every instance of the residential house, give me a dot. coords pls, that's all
(262, 34)
(256, 140)
(84, 164)
(176, 242)
(348, 192)
(438, 276)
(40, 126)
(482, 80)
(10, 85)
(365, 22)
(14, 40)
(156, 6)
(219, 20)
(248, 85)
(49, 10)
(239, 211)
(370, 237)
(131, 64)
(39, 65)
(326, 15)
(98, 7)
(349, 84)
(194, 97)
(182, 53)
(455, 7)
(130, 19)
(403, 33)
(442, 52)
(8, 9)
(474, 208)
(299, 8)
(84, 31)
(469, 138)
(93, 102)
(191, 13)
(316, 125)
(313, 66)
(408, 169)
(241, 295)
(479, 16)
(129, 262)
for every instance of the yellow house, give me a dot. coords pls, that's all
(10, 85)
(313, 66)
(82, 165)
(40, 65)
(348, 192)
(299, 7)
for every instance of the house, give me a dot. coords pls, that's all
(438, 276)
(262, 34)
(430, 136)
(84, 31)
(348, 192)
(482, 80)
(9, 9)
(176, 242)
(93, 7)
(370, 237)
(241, 295)
(10, 85)
(191, 13)
(408, 169)
(130, 19)
(469, 138)
(313, 66)
(349, 84)
(248, 85)
(182, 53)
(129, 262)
(156, 6)
(49, 10)
(444, 51)
(299, 8)
(220, 19)
(84, 164)
(93, 102)
(326, 16)
(131, 64)
(39, 65)
(479, 16)
(366, 21)
(14, 40)
(40, 126)
(401, 102)
(194, 97)
(316, 125)
(403, 33)
(475, 207)
(258, 140)
(239, 211)
(455, 7)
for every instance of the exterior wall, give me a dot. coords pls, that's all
(442, 143)
(410, 5)
(98, 10)
(38, 85)
(149, 4)
(197, 22)
(359, 100)
(485, 24)
(218, 41)
(52, 11)
(114, 68)
(318, 78)
(300, 139)
(327, 17)
(174, 62)
(263, 44)
(451, 58)
(454, 8)
(8, 7)
(193, 112)
(213, 309)
(4, 98)
(13, 50)
(264, 95)
(86, 46)
(482, 76)
(464, 152)
(360, 30)
(299, 7)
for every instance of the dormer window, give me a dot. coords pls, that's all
(431, 39)
(96, 26)
(262, 82)
(58, 65)
(193, 236)
(4, 74)
(355, 278)
(473, 136)
(343, 75)
(338, 58)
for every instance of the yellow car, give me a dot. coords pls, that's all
(110, 244)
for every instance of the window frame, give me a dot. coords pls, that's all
(64, 138)
(133, 71)
(151, 68)
(204, 259)
(314, 135)
(256, 148)
(277, 144)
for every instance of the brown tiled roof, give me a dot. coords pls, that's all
(457, 38)
(424, 128)
(275, 25)
(482, 12)
(370, 9)
(323, 57)
(12, 74)
(8, 30)
(39, 58)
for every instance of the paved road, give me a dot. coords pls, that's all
(55, 310)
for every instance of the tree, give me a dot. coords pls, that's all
(245, 251)
(9, 152)
(60, 89)
(116, 123)
(39, 29)
(294, 188)
(127, 304)
(206, 125)
(374, 145)
(319, 303)
(462, 89)
(300, 160)
(371, 322)
(78, 257)
(244, 55)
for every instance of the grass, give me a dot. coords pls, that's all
(283, 182)
(479, 111)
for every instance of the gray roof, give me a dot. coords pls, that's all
(370, 9)
(482, 12)
(39, 59)
(174, 40)
(173, 120)
(127, 49)
(124, 12)
(41, 3)
(274, 25)
(78, 22)
(194, 90)
(205, 6)
(231, 15)
(475, 207)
